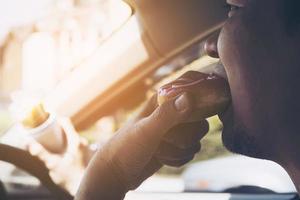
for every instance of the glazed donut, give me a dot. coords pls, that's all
(211, 92)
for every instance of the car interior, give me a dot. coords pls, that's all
(155, 42)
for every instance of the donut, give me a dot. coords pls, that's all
(211, 92)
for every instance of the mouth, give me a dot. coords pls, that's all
(227, 114)
(217, 69)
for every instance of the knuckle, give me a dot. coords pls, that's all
(161, 112)
(158, 116)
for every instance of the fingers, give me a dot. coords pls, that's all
(145, 135)
(184, 135)
(168, 115)
(182, 143)
(149, 107)
(173, 156)
(134, 146)
(177, 163)
(50, 160)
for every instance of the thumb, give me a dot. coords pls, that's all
(169, 114)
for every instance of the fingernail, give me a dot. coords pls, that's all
(182, 103)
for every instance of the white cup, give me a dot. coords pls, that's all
(50, 135)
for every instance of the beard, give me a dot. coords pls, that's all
(237, 139)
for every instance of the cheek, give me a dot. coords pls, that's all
(248, 40)
(252, 55)
(234, 54)
(238, 52)
(237, 47)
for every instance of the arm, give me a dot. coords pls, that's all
(139, 149)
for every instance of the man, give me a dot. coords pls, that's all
(259, 47)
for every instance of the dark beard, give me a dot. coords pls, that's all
(237, 140)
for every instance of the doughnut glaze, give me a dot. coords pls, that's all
(211, 92)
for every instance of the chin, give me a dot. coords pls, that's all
(237, 138)
(238, 141)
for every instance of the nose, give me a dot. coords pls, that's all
(211, 45)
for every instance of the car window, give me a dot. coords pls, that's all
(47, 46)
(41, 43)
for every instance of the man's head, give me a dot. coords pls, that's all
(259, 47)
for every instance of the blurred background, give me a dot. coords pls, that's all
(43, 41)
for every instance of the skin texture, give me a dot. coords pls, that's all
(261, 58)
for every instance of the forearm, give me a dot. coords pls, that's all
(129, 157)
(101, 182)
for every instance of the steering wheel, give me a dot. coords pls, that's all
(34, 166)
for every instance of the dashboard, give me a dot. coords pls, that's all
(208, 196)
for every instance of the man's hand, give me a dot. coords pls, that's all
(158, 136)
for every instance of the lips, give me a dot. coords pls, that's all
(216, 69)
